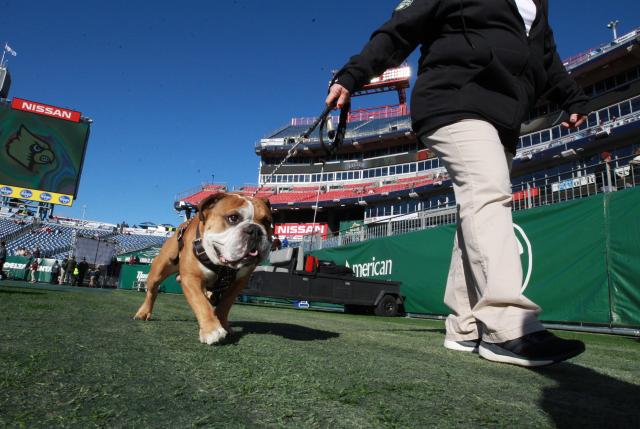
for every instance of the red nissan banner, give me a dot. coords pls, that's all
(45, 109)
(295, 231)
(520, 195)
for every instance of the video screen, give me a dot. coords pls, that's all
(40, 152)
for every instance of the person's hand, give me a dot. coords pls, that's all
(575, 120)
(338, 95)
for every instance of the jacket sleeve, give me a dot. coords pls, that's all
(389, 45)
(561, 88)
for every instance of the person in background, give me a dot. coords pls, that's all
(635, 166)
(55, 273)
(285, 242)
(36, 252)
(33, 269)
(276, 244)
(3, 257)
(63, 266)
(69, 269)
(93, 277)
(484, 64)
(74, 275)
(82, 271)
(603, 173)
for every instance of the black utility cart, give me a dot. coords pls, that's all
(292, 275)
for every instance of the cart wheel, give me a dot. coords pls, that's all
(387, 307)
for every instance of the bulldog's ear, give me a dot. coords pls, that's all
(266, 203)
(208, 203)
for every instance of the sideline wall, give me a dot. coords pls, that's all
(585, 260)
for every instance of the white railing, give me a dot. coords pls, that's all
(617, 175)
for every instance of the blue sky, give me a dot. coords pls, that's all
(181, 91)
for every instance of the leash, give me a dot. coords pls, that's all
(336, 138)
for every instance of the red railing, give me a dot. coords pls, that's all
(367, 114)
(598, 50)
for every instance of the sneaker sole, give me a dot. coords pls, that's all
(503, 356)
(454, 345)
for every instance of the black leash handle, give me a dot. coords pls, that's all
(322, 118)
(329, 150)
(338, 136)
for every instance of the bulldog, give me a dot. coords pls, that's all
(214, 253)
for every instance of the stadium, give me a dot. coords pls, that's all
(369, 207)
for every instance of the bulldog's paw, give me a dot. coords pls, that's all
(213, 337)
(142, 314)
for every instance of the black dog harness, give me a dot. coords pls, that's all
(225, 275)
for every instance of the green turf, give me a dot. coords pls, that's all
(74, 358)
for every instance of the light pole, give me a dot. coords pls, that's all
(84, 209)
(613, 25)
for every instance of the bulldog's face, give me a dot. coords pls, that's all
(237, 229)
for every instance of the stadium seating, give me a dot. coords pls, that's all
(55, 240)
(8, 227)
(50, 238)
(131, 242)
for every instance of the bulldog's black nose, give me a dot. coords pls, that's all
(253, 231)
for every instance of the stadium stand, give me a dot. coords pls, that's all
(8, 227)
(132, 242)
(382, 171)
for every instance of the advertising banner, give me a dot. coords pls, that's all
(295, 231)
(580, 261)
(17, 268)
(41, 152)
(35, 195)
(623, 255)
(135, 276)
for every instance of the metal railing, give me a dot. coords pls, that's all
(579, 59)
(624, 173)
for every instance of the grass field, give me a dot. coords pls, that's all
(74, 358)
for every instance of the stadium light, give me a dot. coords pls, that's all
(613, 25)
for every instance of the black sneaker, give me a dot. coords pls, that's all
(537, 349)
(462, 346)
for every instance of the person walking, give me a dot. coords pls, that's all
(74, 276)
(63, 266)
(3, 257)
(82, 271)
(55, 272)
(69, 269)
(33, 267)
(484, 64)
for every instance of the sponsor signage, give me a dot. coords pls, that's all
(521, 195)
(295, 231)
(45, 109)
(573, 183)
(35, 195)
(372, 268)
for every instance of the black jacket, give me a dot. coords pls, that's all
(476, 62)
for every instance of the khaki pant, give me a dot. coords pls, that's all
(485, 276)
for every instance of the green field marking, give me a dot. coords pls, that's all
(73, 357)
